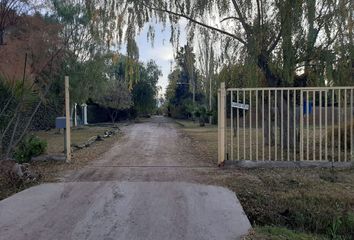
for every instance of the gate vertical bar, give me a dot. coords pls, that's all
(351, 126)
(282, 127)
(269, 127)
(339, 122)
(250, 126)
(288, 126)
(257, 137)
(314, 124)
(275, 124)
(345, 125)
(232, 125)
(244, 126)
(326, 125)
(332, 125)
(307, 126)
(238, 126)
(301, 125)
(320, 96)
(294, 126)
(263, 128)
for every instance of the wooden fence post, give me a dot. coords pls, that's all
(221, 123)
(68, 122)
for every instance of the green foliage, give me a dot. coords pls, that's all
(144, 98)
(300, 209)
(145, 91)
(184, 110)
(201, 113)
(18, 105)
(281, 233)
(115, 97)
(7, 103)
(182, 81)
(30, 147)
(342, 227)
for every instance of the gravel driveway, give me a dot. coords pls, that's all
(145, 187)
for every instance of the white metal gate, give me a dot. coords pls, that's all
(286, 124)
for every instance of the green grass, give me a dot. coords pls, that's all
(281, 233)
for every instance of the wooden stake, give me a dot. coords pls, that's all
(67, 119)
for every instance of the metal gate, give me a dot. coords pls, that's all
(286, 124)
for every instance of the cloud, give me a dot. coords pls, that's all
(164, 53)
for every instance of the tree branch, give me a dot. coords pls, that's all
(197, 22)
(230, 18)
(275, 43)
(245, 25)
(259, 13)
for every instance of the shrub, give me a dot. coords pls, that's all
(30, 147)
(202, 114)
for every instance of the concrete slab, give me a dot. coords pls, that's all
(289, 164)
(123, 210)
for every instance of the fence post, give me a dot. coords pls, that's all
(68, 122)
(221, 123)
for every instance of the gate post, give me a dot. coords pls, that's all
(221, 123)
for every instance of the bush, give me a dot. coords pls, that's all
(202, 114)
(30, 147)
(305, 212)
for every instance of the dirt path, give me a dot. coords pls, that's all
(151, 151)
(143, 188)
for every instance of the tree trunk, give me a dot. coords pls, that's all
(2, 35)
(202, 121)
(274, 80)
(284, 110)
(113, 116)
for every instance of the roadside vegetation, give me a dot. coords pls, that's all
(285, 203)
(53, 167)
(40, 44)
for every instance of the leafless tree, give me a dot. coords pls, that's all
(10, 10)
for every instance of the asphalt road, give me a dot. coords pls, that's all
(143, 188)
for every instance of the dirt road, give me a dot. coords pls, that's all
(143, 188)
(151, 151)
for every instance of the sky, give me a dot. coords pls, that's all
(161, 51)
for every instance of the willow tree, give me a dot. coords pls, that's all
(281, 37)
(207, 63)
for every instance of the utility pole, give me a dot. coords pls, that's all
(67, 121)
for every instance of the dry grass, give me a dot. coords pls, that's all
(204, 138)
(55, 139)
(316, 201)
(247, 140)
(52, 171)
